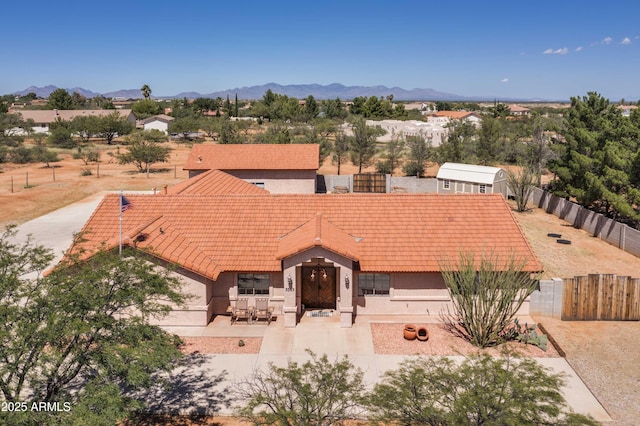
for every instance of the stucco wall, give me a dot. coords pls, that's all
(280, 181)
(157, 125)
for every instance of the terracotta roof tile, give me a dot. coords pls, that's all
(400, 232)
(254, 157)
(214, 182)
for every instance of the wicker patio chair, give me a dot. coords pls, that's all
(241, 310)
(263, 310)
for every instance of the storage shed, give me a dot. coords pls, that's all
(454, 178)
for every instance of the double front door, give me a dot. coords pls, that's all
(319, 287)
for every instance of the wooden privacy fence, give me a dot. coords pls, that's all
(370, 182)
(601, 297)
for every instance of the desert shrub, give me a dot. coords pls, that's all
(413, 168)
(384, 167)
(21, 155)
(86, 172)
(317, 392)
(480, 391)
(486, 293)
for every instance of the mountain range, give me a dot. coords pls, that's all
(299, 91)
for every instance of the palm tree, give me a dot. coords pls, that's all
(146, 91)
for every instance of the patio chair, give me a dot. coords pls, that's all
(241, 310)
(263, 310)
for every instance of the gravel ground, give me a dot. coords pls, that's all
(388, 339)
(606, 356)
(221, 345)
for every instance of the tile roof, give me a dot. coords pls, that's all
(250, 232)
(456, 115)
(214, 182)
(254, 157)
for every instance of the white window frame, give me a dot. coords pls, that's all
(482, 188)
(446, 184)
(247, 284)
(374, 284)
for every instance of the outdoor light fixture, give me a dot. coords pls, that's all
(346, 281)
(290, 283)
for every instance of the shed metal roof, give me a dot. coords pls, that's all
(471, 173)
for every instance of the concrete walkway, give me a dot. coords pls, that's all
(203, 383)
(324, 336)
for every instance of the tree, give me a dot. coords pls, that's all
(482, 390)
(595, 160)
(144, 108)
(332, 108)
(458, 146)
(85, 126)
(486, 293)
(311, 109)
(521, 185)
(420, 152)
(501, 110)
(12, 127)
(487, 148)
(78, 101)
(362, 144)
(317, 392)
(185, 126)
(340, 149)
(394, 152)
(80, 335)
(145, 149)
(112, 125)
(44, 155)
(60, 99)
(146, 91)
(61, 136)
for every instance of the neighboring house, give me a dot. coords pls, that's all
(626, 109)
(278, 168)
(470, 117)
(518, 110)
(354, 254)
(455, 178)
(213, 182)
(434, 133)
(158, 122)
(43, 118)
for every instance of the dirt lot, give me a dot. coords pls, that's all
(605, 354)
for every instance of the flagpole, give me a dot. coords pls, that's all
(120, 246)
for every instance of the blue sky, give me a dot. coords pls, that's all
(543, 49)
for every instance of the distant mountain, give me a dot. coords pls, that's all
(299, 91)
(330, 91)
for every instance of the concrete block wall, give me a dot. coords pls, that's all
(547, 301)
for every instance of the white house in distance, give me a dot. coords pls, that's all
(158, 122)
(433, 132)
(278, 168)
(519, 110)
(456, 178)
(444, 117)
(43, 118)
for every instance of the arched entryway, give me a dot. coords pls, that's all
(318, 286)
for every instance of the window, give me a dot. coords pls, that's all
(447, 184)
(483, 189)
(253, 283)
(373, 284)
(258, 184)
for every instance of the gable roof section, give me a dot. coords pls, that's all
(214, 182)
(395, 233)
(161, 117)
(254, 157)
(470, 173)
(455, 115)
(318, 232)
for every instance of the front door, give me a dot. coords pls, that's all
(319, 287)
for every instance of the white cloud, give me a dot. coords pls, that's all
(607, 40)
(504, 80)
(579, 48)
(626, 40)
(562, 51)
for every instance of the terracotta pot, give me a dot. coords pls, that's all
(409, 331)
(422, 334)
